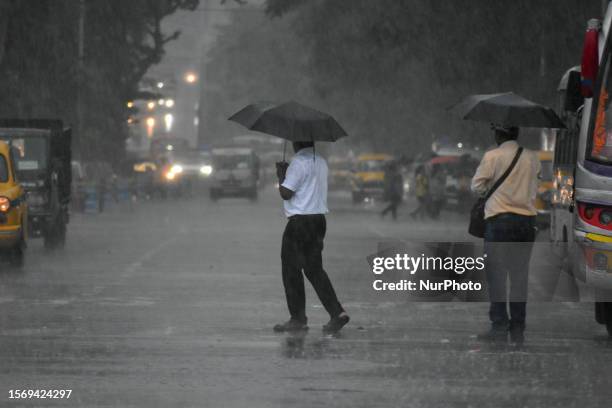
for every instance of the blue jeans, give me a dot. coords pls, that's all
(508, 243)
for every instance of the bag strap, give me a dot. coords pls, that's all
(506, 174)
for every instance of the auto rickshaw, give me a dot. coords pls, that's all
(368, 180)
(13, 210)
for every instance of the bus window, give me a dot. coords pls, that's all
(600, 144)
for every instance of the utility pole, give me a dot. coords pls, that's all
(80, 77)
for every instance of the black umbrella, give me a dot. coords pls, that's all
(507, 109)
(290, 121)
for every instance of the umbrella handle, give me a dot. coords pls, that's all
(284, 149)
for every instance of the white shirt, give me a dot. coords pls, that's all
(307, 178)
(517, 194)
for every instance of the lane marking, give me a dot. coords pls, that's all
(134, 266)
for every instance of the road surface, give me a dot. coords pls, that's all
(171, 304)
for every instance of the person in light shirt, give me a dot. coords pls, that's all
(509, 233)
(303, 187)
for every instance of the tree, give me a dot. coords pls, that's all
(388, 69)
(38, 62)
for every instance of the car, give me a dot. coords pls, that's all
(235, 173)
(13, 209)
(368, 181)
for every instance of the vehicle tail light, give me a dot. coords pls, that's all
(590, 58)
(597, 215)
(5, 204)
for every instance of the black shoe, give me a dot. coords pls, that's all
(517, 334)
(336, 323)
(494, 334)
(292, 325)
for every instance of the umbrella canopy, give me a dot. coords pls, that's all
(290, 121)
(507, 109)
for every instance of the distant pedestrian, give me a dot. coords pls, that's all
(421, 189)
(394, 189)
(510, 231)
(437, 191)
(303, 187)
(101, 191)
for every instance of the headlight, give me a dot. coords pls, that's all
(170, 175)
(176, 169)
(5, 204)
(206, 170)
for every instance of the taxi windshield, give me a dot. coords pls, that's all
(371, 165)
(3, 169)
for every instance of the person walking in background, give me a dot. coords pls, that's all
(437, 189)
(420, 191)
(303, 187)
(510, 231)
(394, 189)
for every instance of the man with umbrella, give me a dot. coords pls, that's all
(508, 175)
(303, 187)
(510, 230)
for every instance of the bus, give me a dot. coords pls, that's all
(581, 216)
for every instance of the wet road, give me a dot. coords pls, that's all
(172, 304)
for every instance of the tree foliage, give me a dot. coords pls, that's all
(40, 65)
(389, 69)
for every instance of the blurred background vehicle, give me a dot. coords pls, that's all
(235, 173)
(339, 172)
(191, 170)
(13, 209)
(368, 180)
(42, 154)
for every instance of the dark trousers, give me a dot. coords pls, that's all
(393, 204)
(301, 250)
(508, 244)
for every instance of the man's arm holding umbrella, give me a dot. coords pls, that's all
(289, 178)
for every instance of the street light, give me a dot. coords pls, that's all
(168, 120)
(150, 122)
(130, 104)
(160, 85)
(191, 77)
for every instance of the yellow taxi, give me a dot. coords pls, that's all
(13, 210)
(545, 188)
(369, 176)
